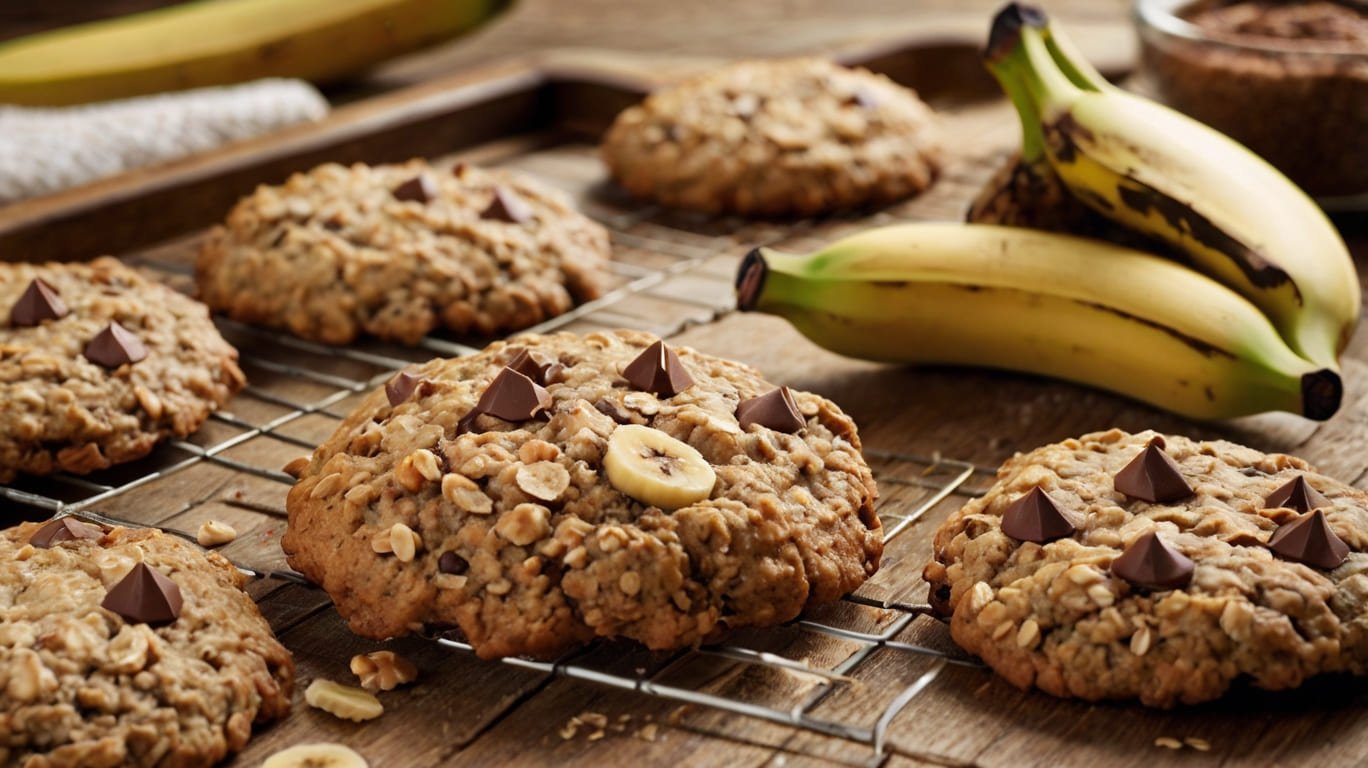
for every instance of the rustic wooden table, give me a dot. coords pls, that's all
(677, 273)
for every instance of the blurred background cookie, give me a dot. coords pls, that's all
(794, 137)
(397, 251)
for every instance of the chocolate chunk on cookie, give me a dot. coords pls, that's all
(98, 364)
(793, 137)
(537, 529)
(1165, 601)
(130, 648)
(397, 251)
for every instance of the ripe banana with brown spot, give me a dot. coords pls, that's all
(1164, 175)
(1044, 303)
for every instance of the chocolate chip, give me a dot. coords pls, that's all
(420, 188)
(658, 370)
(452, 563)
(1152, 564)
(533, 365)
(1296, 494)
(458, 170)
(145, 596)
(774, 409)
(38, 303)
(467, 422)
(399, 388)
(511, 396)
(64, 529)
(114, 346)
(1034, 517)
(507, 206)
(1309, 540)
(555, 374)
(1153, 476)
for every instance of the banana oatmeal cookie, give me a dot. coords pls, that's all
(556, 488)
(98, 364)
(794, 137)
(397, 251)
(124, 647)
(1120, 566)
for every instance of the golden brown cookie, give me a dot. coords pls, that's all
(1121, 566)
(556, 488)
(793, 137)
(128, 648)
(397, 251)
(98, 364)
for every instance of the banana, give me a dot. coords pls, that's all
(317, 755)
(344, 701)
(656, 469)
(1165, 175)
(216, 42)
(1026, 192)
(1045, 303)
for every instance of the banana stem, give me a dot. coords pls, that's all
(1032, 135)
(1017, 49)
(750, 279)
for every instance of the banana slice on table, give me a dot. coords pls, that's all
(344, 701)
(316, 755)
(656, 469)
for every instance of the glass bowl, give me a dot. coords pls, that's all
(1300, 102)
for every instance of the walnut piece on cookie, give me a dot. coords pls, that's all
(1253, 568)
(794, 137)
(104, 631)
(397, 251)
(527, 544)
(98, 364)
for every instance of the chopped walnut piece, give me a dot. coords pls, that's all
(383, 670)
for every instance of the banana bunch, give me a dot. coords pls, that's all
(1220, 289)
(1151, 172)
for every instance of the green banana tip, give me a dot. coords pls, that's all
(1322, 392)
(750, 279)
(1005, 33)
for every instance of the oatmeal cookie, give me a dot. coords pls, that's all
(124, 647)
(794, 137)
(556, 488)
(397, 251)
(98, 364)
(1066, 576)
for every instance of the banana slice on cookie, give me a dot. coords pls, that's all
(316, 755)
(656, 469)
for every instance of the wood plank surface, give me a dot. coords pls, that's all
(463, 711)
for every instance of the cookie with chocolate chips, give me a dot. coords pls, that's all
(553, 489)
(1120, 566)
(129, 648)
(397, 251)
(794, 137)
(98, 364)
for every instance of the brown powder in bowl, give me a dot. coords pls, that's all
(1287, 79)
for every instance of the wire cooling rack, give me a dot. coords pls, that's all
(656, 260)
